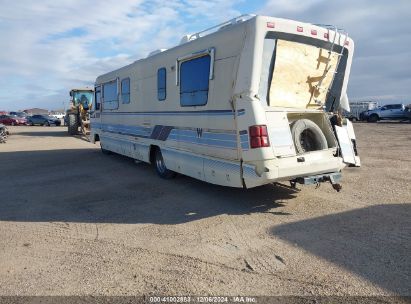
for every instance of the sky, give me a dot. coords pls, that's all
(49, 46)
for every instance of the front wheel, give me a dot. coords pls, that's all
(160, 166)
(46, 124)
(73, 124)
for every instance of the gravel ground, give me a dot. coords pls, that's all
(76, 222)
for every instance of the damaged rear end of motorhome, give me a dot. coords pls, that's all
(252, 101)
(291, 86)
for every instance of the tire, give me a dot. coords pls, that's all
(73, 124)
(373, 118)
(46, 124)
(308, 136)
(160, 166)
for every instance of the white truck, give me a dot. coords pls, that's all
(249, 102)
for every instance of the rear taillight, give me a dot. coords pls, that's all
(259, 137)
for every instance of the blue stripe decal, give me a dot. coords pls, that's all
(124, 129)
(222, 140)
(180, 113)
(226, 140)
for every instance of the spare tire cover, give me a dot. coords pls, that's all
(308, 136)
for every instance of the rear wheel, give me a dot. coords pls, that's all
(73, 124)
(105, 151)
(160, 166)
(373, 118)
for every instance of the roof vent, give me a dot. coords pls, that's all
(187, 38)
(156, 52)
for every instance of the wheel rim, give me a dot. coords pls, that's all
(307, 141)
(161, 166)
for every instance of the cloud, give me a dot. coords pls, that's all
(382, 38)
(49, 47)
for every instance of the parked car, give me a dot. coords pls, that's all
(43, 120)
(19, 114)
(12, 120)
(391, 111)
(358, 108)
(408, 112)
(58, 115)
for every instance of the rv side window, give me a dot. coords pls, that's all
(125, 90)
(194, 77)
(98, 98)
(110, 96)
(161, 84)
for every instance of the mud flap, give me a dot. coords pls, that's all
(347, 142)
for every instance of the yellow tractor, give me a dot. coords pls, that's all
(77, 116)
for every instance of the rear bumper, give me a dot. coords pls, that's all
(292, 168)
(333, 178)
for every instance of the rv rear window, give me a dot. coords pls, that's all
(161, 84)
(110, 96)
(125, 90)
(194, 77)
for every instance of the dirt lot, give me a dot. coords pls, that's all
(74, 221)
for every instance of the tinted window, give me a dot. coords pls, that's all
(110, 95)
(393, 106)
(194, 77)
(98, 98)
(161, 84)
(125, 90)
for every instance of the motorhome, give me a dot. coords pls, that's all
(249, 102)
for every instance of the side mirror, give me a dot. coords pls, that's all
(71, 94)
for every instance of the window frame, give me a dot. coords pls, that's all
(97, 101)
(103, 98)
(129, 90)
(181, 60)
(165, 84)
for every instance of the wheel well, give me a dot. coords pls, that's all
(152, 155)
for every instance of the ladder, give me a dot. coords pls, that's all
(214, 28)
(337, 32)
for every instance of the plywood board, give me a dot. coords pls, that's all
(299, 76)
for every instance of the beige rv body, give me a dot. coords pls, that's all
(211, 142)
